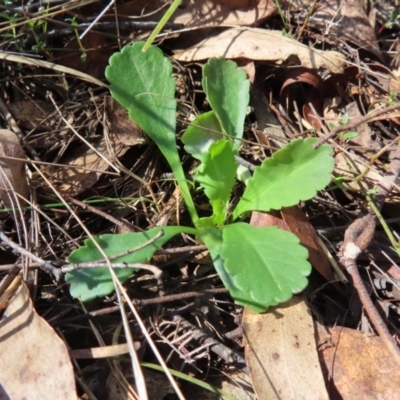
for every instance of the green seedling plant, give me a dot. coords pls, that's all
(74, 23)
(260, 266)
(394, 19)
(38, 27)
(12, 34)
(344, 136)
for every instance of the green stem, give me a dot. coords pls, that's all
(94, 201)
(190, 379)
(280, 12)
(161, 24)
(174, 162)
(385, 226)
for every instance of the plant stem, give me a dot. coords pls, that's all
(161, 24)
(278, 7)
(94, 201)
(187, 197)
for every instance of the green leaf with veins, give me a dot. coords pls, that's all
(89, 283)
(201, 134)
(217, 176)
(228, 92)
(261, 267)
(265, 265)
(142, 82)
(292, 174)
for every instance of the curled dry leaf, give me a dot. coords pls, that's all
(12, 171)
(296, 89)
(261, 44)
(34, 361)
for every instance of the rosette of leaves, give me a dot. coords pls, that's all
(261, 267)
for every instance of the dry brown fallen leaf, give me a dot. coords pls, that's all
(83, 167)
(281, 353)
(97, 52)
(29, 113)
(127, 131)
(194, 13)
(12, 172)
(75, 177)
(358, 366)
(34, 361)
(345, 20)
(261, 44)
(351, 166)
(365, 134)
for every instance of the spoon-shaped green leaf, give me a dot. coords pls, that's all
(142, 83)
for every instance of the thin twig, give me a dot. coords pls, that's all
(185, 249)
(139, 247)
(308, 16)
(141, 302)
(353, 125)
(101, 213)
(96, 19)
(245, 163)
(357, 238)
(102, 264)
(227, 354)
(45, 264)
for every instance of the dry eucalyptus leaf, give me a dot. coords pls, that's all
(352, 165)
(12, 172)
(344, 20)
(261, 44)
(217, 12)
(358, 365)
(29, 114)
(84, 166)
(120, 125)
(194, 13)
(34, 361)
(281, 353)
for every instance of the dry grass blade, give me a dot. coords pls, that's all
(55, 67)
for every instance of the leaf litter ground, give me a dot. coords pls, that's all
(115, 181)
